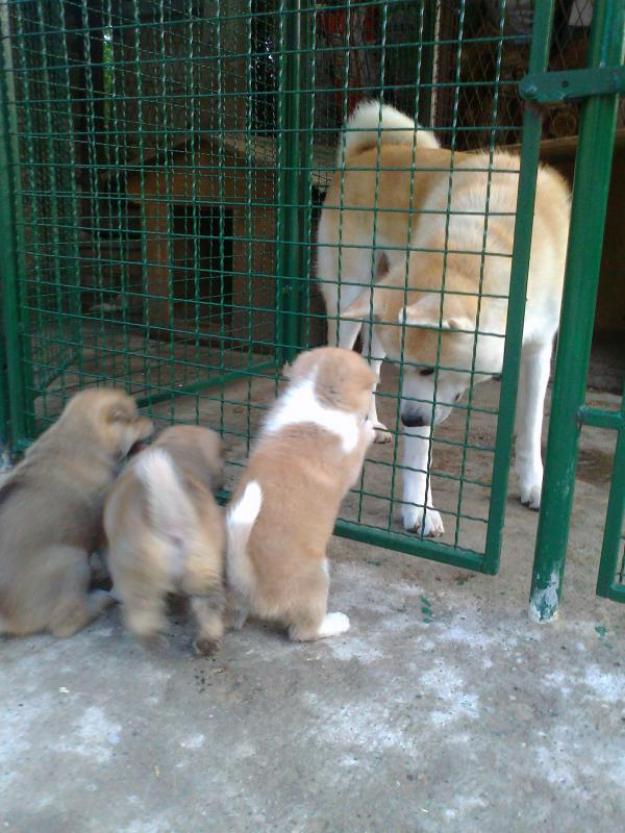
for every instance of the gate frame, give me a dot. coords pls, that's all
(593, 168)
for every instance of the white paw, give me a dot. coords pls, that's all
(333, 624)
(530, 495)
(531, 483)
(414, 521)
(382, 434)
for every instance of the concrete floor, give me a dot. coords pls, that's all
(443, 709)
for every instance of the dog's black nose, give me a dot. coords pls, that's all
(413, 420)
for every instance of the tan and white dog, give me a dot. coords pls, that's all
(444, 224)
(309, 453)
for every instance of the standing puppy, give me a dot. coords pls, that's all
(166, 533)
(310, 452)
(51, 514)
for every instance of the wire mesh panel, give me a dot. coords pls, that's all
(182, 208)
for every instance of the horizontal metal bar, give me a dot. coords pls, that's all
(205, 384)
(598, 418)
(411, 545)
(551, 87)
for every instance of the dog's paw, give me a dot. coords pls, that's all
(99, 600)
(205, 647)
(428, 522)
(530, 496)
(334, 624)
(382, 434)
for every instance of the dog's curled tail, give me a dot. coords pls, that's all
(240, 519)
(372, 121)
(171, 512)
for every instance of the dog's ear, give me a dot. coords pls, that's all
(367, 306)
(426, 312)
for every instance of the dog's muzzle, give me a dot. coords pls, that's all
(414, 420)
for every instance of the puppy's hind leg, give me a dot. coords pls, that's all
(310, 620)
(209, 614)
(75, 607)
(237, 610)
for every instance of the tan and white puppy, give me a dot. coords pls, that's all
(309, 454)
(51, 514)
(166, 534)
(445, 224)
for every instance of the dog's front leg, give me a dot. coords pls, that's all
(418, 512)
(536, 361)
(373, 351)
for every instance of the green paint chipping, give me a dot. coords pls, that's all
(601, 631)
(426, 610)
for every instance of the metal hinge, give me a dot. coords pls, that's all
(551, 87)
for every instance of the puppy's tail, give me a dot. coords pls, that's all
(171, 512)
(240, 520)
(372, 121)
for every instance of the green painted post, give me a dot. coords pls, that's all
(612, 535)
(13, 397)
(590, 191)
(532, 125)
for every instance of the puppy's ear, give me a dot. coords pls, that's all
(117, 412)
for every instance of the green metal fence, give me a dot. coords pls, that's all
(164, 165)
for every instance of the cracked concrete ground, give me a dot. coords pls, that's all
(443, 709)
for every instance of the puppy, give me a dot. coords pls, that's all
(51, 514)
(309, 453)
(166, 534)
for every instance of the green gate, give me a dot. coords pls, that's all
(163, 165)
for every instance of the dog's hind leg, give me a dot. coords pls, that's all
(536, 364)
(75, 607)
(208, 610)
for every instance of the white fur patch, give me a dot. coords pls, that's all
(333, 624)
(299, 405)
(246, 510)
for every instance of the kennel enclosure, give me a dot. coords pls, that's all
(163, 164)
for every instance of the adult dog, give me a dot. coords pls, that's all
(443, 222)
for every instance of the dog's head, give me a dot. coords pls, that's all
(342, 379)
(107, 417)
(435, 338)
(201, 448)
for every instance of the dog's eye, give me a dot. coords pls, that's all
(427, 371)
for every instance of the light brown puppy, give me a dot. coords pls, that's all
(51, 514)
(166, 534)
(309, 453)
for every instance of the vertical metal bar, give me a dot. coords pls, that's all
(288, 260)
(10, 217)
(532, 124)
(429, 11)
(590, 188)
(614, 516)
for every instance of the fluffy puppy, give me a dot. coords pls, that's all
(309, 453)
(51, 514)
(166, 534)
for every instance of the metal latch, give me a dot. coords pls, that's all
(572, 84)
